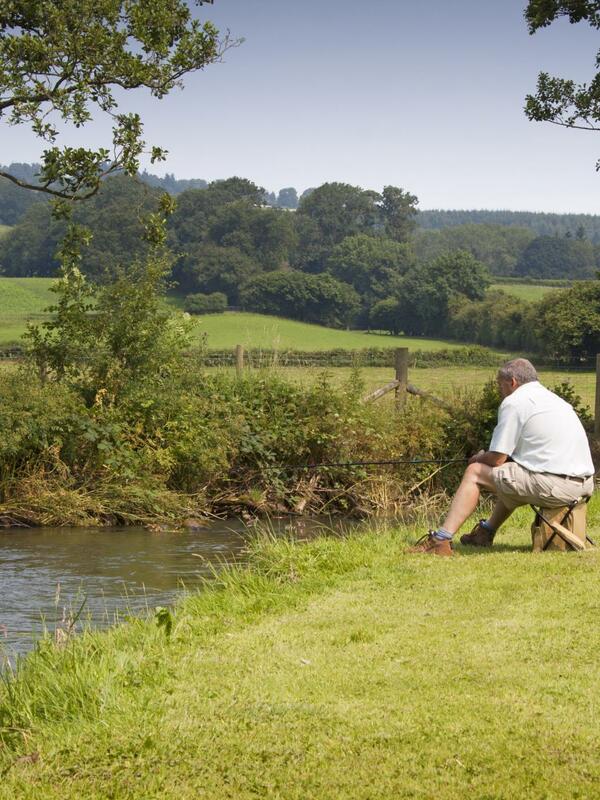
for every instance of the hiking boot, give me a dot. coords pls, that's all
(479, 536)
(432, 545)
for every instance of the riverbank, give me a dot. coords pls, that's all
(339, 668)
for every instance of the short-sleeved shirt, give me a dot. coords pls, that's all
(542, 432)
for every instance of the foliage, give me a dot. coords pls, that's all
(550, 257)
(196, 208)
(66, 60)
(114, 218)
(335, 211)
(263, 234)
(103, 340)
(214, 303)
(207, 268)
(398, 212)
(568, 328)
(287, 198)
(373, 265)
(540, 223)
(499, 320)
(14, 200)
(310, 298)
(559, 100)
(497, 246)
(427, 290)
(386, 315)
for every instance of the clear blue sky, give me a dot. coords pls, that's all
(423, 95)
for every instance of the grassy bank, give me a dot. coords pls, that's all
(333, 669)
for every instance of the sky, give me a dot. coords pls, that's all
(427, 95)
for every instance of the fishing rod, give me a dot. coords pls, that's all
(386, 462)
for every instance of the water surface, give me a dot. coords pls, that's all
(46, 573)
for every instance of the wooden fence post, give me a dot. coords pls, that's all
(401, 364)
(239, 359)
(597, 406)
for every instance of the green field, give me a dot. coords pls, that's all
(526, 291)
(337, 669)
(23, 299)
(4, 229)
(259, 331)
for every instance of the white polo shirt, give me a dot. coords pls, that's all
(542, 432)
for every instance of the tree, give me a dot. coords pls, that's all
(14, 201)
(197, 208)
(569, 330)
(553, 257)
(114, 217)
(287, 198)
(385, 315)
(296, 295)
(62, 60)
(371, 264)
(208, 268)
(499, 320)
(214, 303)
(499, 247)
(427, 289)
(558, 100)
(399, 210)
(340, 210)
(130, 341)
(263, 234)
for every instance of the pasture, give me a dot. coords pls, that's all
(23, 300)
(531, 292)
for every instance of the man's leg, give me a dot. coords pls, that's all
(499, 515)
(476, 478)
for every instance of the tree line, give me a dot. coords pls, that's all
(347, 257)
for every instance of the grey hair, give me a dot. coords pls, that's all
(520, 369)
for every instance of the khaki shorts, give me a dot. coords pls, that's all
(517, 486)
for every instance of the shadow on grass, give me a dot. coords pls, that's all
(465, 550)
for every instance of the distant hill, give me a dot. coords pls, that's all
(540, 223)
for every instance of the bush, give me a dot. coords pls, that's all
(214, 303)
(298, 295)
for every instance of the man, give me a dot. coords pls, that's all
(539, 453)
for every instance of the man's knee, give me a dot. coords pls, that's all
(481, 474)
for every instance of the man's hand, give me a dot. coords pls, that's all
(475, 459)
(489, 457)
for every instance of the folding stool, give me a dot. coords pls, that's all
(562, 525)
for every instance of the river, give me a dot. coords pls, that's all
(47, 573)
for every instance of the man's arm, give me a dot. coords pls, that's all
(489, 457)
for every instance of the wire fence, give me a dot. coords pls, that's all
(467, 356)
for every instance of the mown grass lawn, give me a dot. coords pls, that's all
(334, 669)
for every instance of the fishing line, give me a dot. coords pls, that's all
(387, 462)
